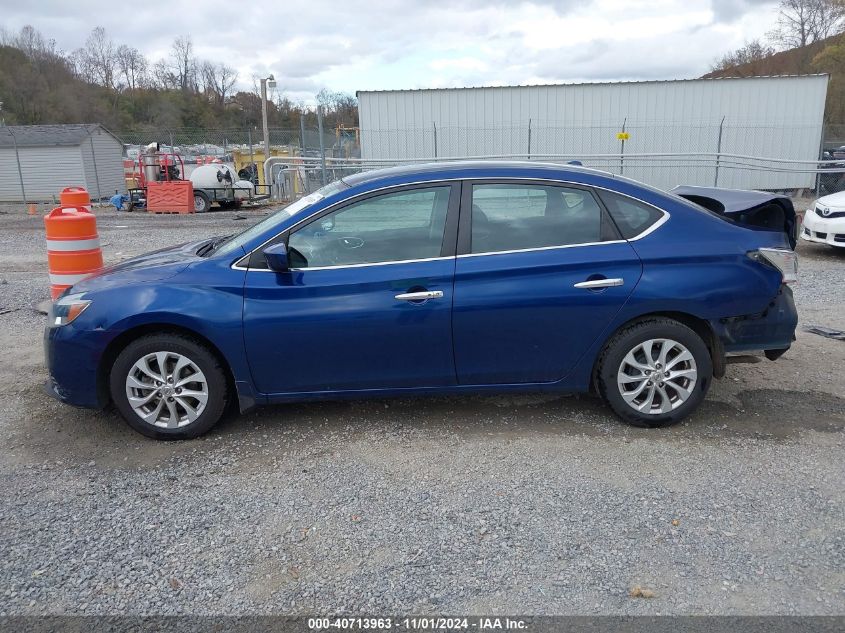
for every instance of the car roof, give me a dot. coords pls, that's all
(445, 168)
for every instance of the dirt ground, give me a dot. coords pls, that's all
(765, 450)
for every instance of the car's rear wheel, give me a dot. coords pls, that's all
(168, 386)
(655, 372)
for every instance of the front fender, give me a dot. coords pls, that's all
(206, 299)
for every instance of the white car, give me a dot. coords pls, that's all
(824, 221)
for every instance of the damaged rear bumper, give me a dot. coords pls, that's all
(771, 331)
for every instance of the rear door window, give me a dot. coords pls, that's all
(525, 216)
(631, 216)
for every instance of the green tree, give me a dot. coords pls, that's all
(116, 85)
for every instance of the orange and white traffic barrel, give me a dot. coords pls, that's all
(73, 247)
(75, 197)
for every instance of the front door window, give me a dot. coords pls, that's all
(401, 226)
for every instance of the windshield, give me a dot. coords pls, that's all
(274, 219)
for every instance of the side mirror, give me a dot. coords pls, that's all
(276, 257)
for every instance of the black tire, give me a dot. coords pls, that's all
(202, 202)
(202, 357)
(626, 340)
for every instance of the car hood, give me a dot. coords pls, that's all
(835, 200)
(155, 266)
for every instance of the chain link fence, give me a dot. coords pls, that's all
(714, 153)
(193, 142)
(834, 136)
(689, 152)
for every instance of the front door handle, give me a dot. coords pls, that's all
(593, 284)
(420, 296)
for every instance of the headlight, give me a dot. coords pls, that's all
(66, 309)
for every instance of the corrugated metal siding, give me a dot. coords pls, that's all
(109, 161)
(751, 100)
(10, 185)
(46, 170)
(778, 117)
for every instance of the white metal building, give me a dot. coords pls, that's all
(758, 117)
(38, 161)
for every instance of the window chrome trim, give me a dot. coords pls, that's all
(646, 232)
(338, 266)
(654, 226)
(542, 248)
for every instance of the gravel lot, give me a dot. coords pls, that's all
(528, 504)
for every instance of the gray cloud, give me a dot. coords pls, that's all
(730, 10)
(308, 45)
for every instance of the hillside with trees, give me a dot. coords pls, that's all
(808, 39)
(116, 85)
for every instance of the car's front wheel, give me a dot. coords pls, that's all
(168, 386)
(655, 372)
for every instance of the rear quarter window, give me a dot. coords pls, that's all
(631, 216)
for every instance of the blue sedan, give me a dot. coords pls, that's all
(445, 278)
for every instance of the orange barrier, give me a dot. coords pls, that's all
(75, 197)
(73, 246)
(174, 196)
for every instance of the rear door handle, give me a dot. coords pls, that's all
(600, 283)
(420, 296)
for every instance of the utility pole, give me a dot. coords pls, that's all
(269, 82)
(322, 145)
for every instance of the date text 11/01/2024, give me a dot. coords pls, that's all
(418, 624)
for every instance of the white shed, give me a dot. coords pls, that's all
(759, 117)
(38, 161)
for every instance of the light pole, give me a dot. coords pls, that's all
(265, 83)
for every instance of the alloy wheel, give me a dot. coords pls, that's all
(657, 376)
(166, 389)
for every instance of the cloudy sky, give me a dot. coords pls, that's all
(387, 44)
